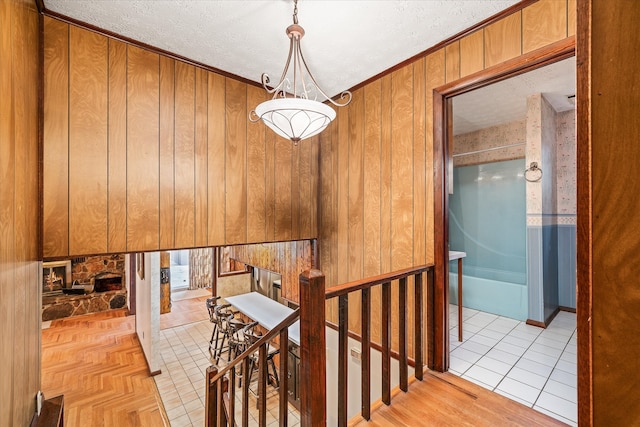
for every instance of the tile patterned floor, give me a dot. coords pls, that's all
(184, 352)
(534, 366)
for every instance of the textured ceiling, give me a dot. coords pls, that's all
(506, 101)
(346, 41)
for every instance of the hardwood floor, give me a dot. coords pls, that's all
(447, 400)
(97, 363)
(184, 312)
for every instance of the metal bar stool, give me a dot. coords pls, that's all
(251, 336)
(222, 317)
(211, 305)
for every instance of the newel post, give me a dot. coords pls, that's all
(313, 363)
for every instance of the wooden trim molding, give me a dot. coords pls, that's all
(145, 46)
(439, 344)
(584, 231)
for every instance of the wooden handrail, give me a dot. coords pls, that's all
(357, 285)
(220, 385)
(288, 321)
(364, 286)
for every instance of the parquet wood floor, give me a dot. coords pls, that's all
(448, 400)
(97, 363)
(184, 312)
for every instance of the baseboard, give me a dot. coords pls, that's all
(547, 322)
(568, 309)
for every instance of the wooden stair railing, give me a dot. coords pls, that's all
(220, 389)
(342, 293)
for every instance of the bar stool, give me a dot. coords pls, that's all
(251, 337)
(222, 316)
(211, 305)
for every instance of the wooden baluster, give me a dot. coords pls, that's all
(386, 343)
(232, 397)
(283, 374)
(262, 386)
(210, 415)
(219, 404)
(431, 336)
(366, 354)
(343, 357)
(246, 380)
(402, 339)
(313, 363)
(417, 326)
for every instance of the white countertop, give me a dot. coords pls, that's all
(456, 255)
(267, 312)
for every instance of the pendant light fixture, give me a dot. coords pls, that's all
(294, 112)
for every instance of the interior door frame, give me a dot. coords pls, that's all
(442, 95)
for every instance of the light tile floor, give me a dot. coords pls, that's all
(534, 366)
(184, 359)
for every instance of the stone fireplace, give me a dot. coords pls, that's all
(98, 284)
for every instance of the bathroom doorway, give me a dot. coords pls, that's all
(511, 208)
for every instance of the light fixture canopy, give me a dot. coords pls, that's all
(294, 112)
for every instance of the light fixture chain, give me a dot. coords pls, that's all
(295, 11)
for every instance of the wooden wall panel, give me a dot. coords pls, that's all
(236, 162)
(288, 259)
(314, 182)
(189, 186)
(184, 160)
(270, 185)
(20, 297)
(282, 180)
(117, 151)
(402, 168)
(305, 193)
(167, 149)
(216, 153)
(201, 160)
(385, 175)
(435, 72)
(355, 235)
(295, 192)
(143, 159)
(88, 132)
(371, 214)
(543, 23)
(571, 18)
(342, 175)
(608, 298)
(355, 230)
(471, 53)
(503, 40)
(419, 162)
(256, 171)
(452, 58)
(56, 132)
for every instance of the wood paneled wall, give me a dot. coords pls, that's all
(608, 213)
(289, 259)
(20, 290)
(143, 152)
(376, 160)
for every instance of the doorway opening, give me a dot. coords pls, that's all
(501, 350)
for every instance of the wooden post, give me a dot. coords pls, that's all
(211, 401)
(165, 282)
(313, 363)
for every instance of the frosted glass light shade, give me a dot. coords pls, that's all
(295, 118)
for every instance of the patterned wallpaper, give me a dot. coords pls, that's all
(510, 134)
(566, 162)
